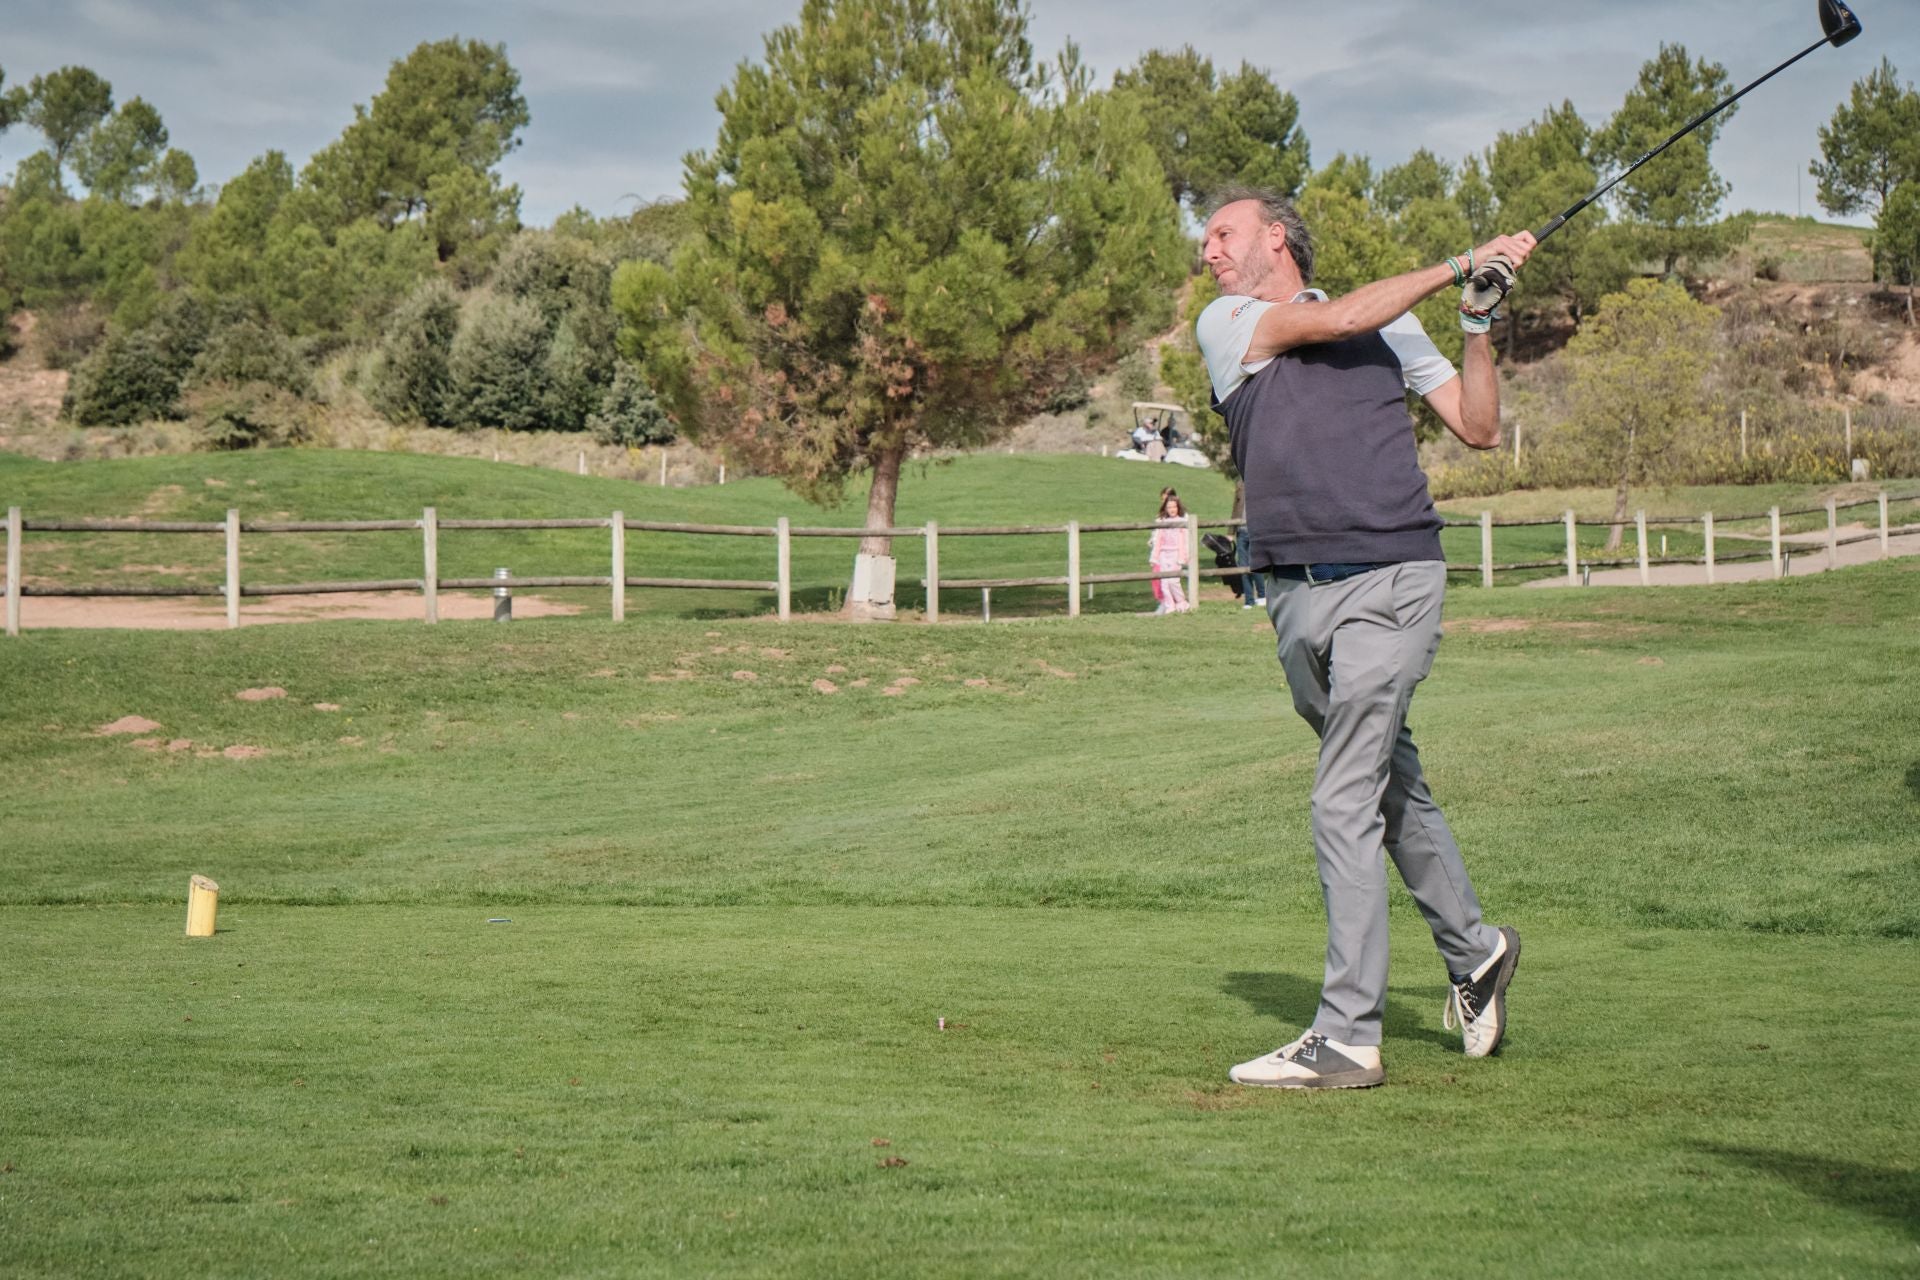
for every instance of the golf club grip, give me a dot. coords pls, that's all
(1484, 277)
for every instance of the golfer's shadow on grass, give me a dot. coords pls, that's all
(1893, 1194)
(1292, 998)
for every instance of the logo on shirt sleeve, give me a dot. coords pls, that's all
(1241, 308)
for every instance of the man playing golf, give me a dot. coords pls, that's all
(1339, 518)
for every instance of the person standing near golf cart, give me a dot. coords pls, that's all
(1341, 524)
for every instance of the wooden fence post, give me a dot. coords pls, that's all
(663, 468)
(1743, 435)
(14, 528)
(933, 571)
(1773, 518)
(233, 567)
(1884, 551)
(619, 526)
(1193, 561)
(1486, 548)
(1706, 522)
(1640, 536)
(1073, 568)
(430, 567)
(1833, 535)
(783, 554)
(1573, 553)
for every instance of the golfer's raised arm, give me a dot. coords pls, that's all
(1371, 305)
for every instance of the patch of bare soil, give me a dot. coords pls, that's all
(127, 724)
(28, 391)
(210, 614)
(1898, 376)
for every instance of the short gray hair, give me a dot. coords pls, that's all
(1274, 207)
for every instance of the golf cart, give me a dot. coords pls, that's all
(1162, 433)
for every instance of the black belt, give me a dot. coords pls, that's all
(1321, 573)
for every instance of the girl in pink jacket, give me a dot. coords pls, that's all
(1170, 551)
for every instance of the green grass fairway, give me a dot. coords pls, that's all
(607, 1091)
(706, 1043)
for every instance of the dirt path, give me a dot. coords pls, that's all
(196, 613)
(1807, 552)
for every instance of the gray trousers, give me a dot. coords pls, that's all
(1353, 651)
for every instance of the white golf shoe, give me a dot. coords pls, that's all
(1313, 1062)
(1477, 1004)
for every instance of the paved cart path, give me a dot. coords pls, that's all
(1808, 552)
(210, 613)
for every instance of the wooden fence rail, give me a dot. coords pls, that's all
(429, 525)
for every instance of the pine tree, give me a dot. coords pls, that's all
(907, 235)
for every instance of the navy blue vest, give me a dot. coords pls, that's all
(1322, 438)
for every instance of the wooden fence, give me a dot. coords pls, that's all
(429, 584)
(1778, 550)
(782, 532)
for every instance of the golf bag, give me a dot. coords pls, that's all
(1223, 558)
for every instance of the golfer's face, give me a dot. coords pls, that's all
(1235, 248)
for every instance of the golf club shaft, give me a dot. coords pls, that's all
(1559, 220)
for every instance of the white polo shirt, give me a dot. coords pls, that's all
(1225, 329)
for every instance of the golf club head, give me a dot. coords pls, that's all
(1838, 22)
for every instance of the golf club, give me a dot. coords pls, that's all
(1837, 26)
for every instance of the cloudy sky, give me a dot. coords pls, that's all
(620, 89)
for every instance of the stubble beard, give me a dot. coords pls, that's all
(1250, 276)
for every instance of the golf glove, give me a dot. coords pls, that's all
(1483, 294)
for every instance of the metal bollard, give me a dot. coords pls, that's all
(502, 597)
(1586, 574)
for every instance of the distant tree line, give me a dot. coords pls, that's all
(866, 263)
(396, 253)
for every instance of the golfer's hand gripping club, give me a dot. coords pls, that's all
(1483, 292)
(1492, 279)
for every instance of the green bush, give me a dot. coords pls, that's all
(557, 273)
(249, 415)
(129, 378)
(136, 374)
(498, 366)
(1134, 377)
(1070, 393)
(573, 390)
(182, 325)
(629, 413)
(411, 382)
(252, 352)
